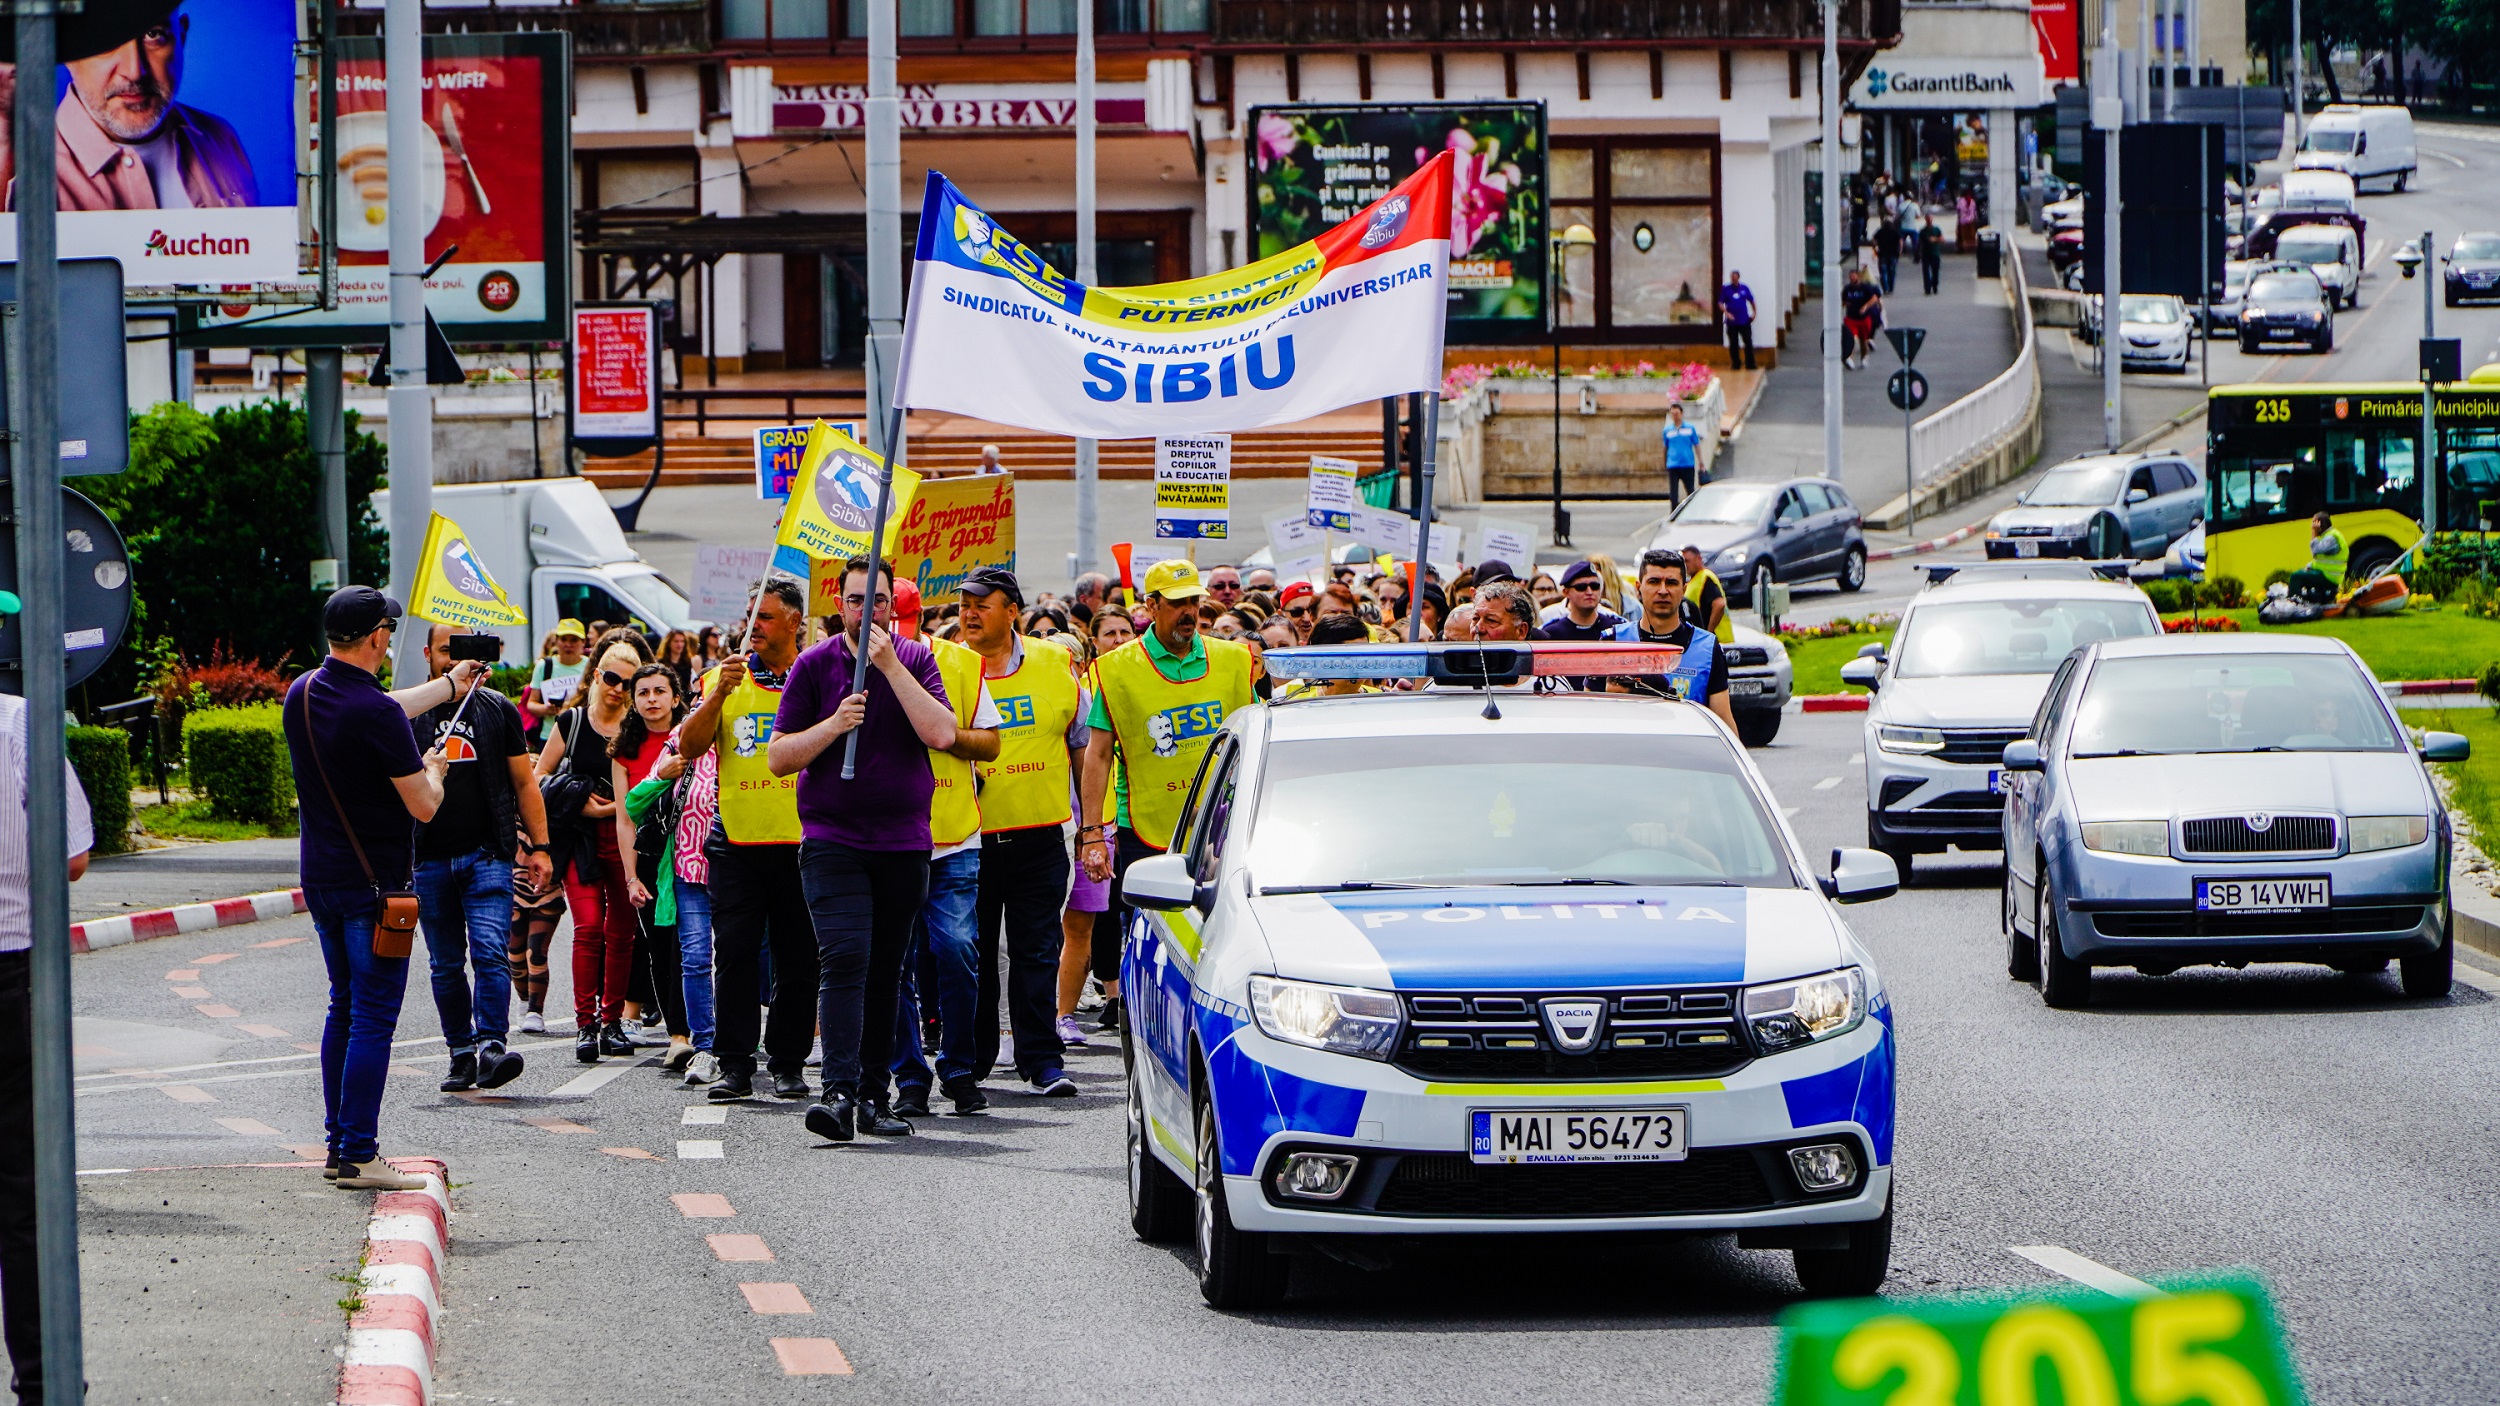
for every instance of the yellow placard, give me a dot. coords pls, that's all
(954, 525)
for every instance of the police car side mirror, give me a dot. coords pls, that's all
(2445, 747)
(1863, 671)
(2022, 754)
(1861, 876)
(1162, 883)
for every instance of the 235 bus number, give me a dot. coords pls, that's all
(2272, 412)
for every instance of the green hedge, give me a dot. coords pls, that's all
(101, 756)
(238, 761)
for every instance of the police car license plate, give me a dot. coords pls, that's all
(2021, 549)
(1578, 1135)
(2260, 895)
(1744, 688)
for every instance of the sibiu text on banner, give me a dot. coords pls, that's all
(1351, 316)
(833, 497)
(453, 587)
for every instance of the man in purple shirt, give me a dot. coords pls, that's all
(1736, 309)
(864, 842)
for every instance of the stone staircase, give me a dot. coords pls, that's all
(1282, 453)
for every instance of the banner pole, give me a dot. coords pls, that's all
(1431, 459)
(868, 608)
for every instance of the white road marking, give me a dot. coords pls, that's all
(703, 1114)
(2059, 1260)
(698, 1151)
(2451, 160)
(589, 1082)
(1790, 810)
(292, 1058)
(2377, 247)
(1857, 759)
(1827, 783)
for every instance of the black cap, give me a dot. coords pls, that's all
(354, 612)
(1494, 569)
(1579, 569)
(982, 580)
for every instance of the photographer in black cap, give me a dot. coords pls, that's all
(364, 789)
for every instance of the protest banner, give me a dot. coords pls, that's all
(722, 575)
(1298, 547)
(1392, 533)
(1499, 539)
(1332, 495)
(1194, 487)
(833, 499)
(954, 525)
(1354, 315)
(778, 452)
(453, 586)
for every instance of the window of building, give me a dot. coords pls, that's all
(1636, 231)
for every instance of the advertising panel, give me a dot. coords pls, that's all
(493, 166)
(178, 141)
(616, 372)
(778, 450)
(1314, 167)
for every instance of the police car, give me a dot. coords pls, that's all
(1477, 958)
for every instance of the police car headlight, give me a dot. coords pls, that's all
(2369, 832)
(1908, 739)
(1794, 1013)
(1339, 1019)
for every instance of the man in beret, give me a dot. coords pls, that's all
(125, 143)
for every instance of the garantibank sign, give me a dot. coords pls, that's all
(1955, 84)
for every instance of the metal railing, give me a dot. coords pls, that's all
(699, 406)
(1962, 431)
(1310, 22)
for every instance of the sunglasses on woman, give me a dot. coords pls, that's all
(613, 679)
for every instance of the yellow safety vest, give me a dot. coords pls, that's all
(954, 809)
(1165, 727)
(1028, 784)
(1726, 629)
(756, 807)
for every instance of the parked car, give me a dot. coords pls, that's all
(2152, 331)
(2331, 252)
(2285, 303)
(2472, 267)
(2197, 800)
(2102, 506)
(2364, 143)
(1759, 682)
(1971, 659)
(1753, 533)
(2223, 313)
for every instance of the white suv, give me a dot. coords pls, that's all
(1966, 672)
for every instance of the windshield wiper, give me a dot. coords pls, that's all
(1344, 886)
(2121, 752)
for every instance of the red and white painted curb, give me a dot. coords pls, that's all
(390, 1341)
(1833, 702)
(99, 933)
(2413, 686)
(1936, 544)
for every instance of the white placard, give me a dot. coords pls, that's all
(1499, 539)
(721, 578)
(1298, 547)
(1332, 497)
(1385, 530)
(1194, 487)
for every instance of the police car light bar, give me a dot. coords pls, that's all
(1466, 663)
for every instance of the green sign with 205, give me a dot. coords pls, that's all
(2207, 1342)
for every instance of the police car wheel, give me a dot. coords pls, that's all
(2064, 982)
(2022, 960)
(1853, 1272)
(1158, 1202)
(1236, 1268)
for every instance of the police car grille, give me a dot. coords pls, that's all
(1975, 745)
(1448, 1184)
(1680, 1032)
(2232, 834)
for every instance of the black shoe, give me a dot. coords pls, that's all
(586, 1046)
(912, 1102)
(1110, 1015)
(734, 1086)
(615, 1043)
(463, 1075)
(967, 1097)
(789, 1086)
(832, 1119)
(877, 1120)
(496, 1066)
(1051, 1083)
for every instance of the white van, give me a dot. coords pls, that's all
(2331, 252)
(2315, 188)
(2362, 142)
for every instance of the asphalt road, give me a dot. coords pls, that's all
(2317, 1128)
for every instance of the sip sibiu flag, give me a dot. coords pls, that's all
(833, 497)
(453, 587)
(1353, 315)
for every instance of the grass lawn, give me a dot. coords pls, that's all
(190, 820)
(2473, 784)
(2419, 644)
(1817, 662)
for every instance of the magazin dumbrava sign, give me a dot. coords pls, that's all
(1950, 83)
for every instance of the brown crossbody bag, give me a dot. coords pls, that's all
(395, 926)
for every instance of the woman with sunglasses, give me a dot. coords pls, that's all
(593, 868)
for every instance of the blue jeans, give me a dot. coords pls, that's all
(465, 906)
(944, 962)
(694, 959)
(365, 992)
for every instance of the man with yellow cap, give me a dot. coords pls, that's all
(1162, 697)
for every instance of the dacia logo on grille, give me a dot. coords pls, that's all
(2261, 822)
(1574, 1024)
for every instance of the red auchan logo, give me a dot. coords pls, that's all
(163, 245)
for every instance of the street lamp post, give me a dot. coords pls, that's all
(2440, 360)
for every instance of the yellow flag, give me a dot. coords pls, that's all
(454, 588)
(832, 498)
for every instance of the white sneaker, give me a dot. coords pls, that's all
(702, 1069)
(532, 1023)
(650, 1034)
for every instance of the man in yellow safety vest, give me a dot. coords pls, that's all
(1163, 697)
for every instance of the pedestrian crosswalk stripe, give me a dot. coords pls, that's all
(2059, 1260)
(698, 1150)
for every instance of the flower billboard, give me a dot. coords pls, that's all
(1313, 167)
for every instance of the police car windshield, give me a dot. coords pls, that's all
(1944, 639)
(1517, 808)
(2174, 703)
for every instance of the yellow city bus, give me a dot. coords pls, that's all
(2276, 455)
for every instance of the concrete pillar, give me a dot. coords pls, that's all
(723, 194)
(2004, 145)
